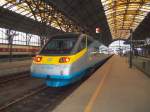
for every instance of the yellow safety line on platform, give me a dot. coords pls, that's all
(97, 91)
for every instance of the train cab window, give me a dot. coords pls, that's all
(59, 46)
(82, 44)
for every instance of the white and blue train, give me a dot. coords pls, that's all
(65, 58)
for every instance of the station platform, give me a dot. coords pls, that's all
(14, 67)
(142, 63)
(112, 88)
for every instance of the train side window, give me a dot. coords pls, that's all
(82, 44)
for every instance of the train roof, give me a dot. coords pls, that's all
(71, 35)
(67, 35)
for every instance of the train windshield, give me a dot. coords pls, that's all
(59, 46)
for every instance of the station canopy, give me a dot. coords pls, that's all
(40, 11)
(79, 15)
(123, 15)
(67, 15)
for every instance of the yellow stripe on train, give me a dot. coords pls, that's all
(55, 59)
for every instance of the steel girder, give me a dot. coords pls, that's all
(88, 14)
(43, 13)
(14, 21)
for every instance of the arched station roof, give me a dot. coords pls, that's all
(89, 14)
(123, 15)
(142, 32)
(114, 17)
(14, 21)
(67, 15)
(34, 12)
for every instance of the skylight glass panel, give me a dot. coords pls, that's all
(125, 14)
(2, 2)
(23, 9)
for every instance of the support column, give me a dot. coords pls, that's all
(131, 48)
(10, 35)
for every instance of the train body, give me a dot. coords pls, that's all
(17, 50)
(65, 59)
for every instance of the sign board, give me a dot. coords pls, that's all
(98, 30)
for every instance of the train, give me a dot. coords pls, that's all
(65, 58)
(18, 50)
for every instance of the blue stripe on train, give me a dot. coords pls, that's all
(59, 80)
(53, 82)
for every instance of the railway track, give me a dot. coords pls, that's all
(24, 96)
(15, 77)
(42, 98)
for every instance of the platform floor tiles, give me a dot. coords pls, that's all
(112, 88)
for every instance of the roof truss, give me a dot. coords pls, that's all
(123, 15)
(41, 12)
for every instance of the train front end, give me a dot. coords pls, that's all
(51, 69)
(54, 62)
